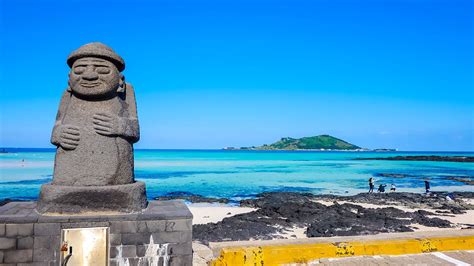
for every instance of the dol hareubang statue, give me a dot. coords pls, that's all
(95, 129)
(96, 122)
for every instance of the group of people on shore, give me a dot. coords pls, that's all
(393, 187)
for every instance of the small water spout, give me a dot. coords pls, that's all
(120, 259)
(153, 253)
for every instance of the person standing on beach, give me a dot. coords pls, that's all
(371, 185)
(393, 187)
(427, 186)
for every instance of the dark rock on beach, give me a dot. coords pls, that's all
(238, 227)
(342, 220)
(434, 200)
(278, 211)
(462, 159)
(194, 198)
(431, 222)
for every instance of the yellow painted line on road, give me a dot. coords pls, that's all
(303, 253)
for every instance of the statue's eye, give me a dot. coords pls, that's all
(79, 70)
(103, 70)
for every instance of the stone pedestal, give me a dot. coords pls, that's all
(29, 237)
(76, 199)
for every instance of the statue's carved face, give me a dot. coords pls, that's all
(93, 77)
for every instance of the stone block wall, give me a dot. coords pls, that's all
(26, 244)
(145, 242)
(161, 235)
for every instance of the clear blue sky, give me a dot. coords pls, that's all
(210, 74)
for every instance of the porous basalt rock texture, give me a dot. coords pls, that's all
(434, 200)
(125, 198)
(94, 132)
(282, 210)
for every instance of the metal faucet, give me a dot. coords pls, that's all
(68, 256)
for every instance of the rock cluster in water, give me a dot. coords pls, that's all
(194, 198)
(466, 179)
(462, 159)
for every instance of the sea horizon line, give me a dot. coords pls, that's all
(249, 150)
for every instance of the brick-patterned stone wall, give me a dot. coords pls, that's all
(162, 233)
(25, 243)
(130, 241)
(16, 243)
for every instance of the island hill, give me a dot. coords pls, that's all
(321, 142)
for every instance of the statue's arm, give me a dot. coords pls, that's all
(131, 129)
(55, 138)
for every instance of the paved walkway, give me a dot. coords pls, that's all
(460, 258)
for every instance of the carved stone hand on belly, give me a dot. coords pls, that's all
(107, 124)
(69, 136)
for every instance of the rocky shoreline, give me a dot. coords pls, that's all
(435, 200)
(278, 212)
(193, 198)
(460, 159)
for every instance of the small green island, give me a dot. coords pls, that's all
(321, 142)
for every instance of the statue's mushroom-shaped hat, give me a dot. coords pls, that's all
(97, 49)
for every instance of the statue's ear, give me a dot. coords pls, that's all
(122, 85)
(69, 86)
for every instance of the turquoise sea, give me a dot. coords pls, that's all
(243, 174)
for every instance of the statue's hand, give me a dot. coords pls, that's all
(107, 124)
(69, 137)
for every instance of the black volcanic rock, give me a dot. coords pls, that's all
(431, 222)
(468, 180)
(194, 198)
(364, 222)
(277, 211)
(393, 175)
(434, 200)
(462, 159)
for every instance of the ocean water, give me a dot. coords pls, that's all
(243, 174)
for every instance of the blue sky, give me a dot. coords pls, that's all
(210, 74)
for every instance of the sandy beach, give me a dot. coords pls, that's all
(214, 212)
(205, 213)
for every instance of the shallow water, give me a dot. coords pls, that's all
(242, 174)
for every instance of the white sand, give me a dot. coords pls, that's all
(212, 213)
(293, 233)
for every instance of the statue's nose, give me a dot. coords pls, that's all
(90, 74)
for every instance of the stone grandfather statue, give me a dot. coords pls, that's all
(94, 132)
